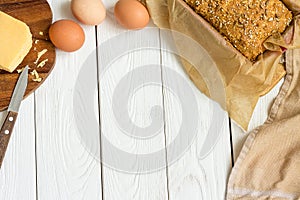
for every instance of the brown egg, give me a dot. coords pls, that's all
(90, 12)
(131, 14)
(66, 35)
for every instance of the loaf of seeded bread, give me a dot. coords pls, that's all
(246, 24)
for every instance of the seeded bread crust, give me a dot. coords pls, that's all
(246, 24)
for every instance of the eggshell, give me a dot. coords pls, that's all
(90, 12)
(66, 35)
(131, 14)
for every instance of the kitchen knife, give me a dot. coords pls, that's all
(13, 109)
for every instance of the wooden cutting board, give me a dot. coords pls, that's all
(37, 15)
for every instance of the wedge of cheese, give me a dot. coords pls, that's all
(15, 42)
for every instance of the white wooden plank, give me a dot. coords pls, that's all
(65, 168)
(123, 177)
(18, 172)
(259, 116)
(193, 175)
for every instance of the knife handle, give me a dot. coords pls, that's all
(5, 133)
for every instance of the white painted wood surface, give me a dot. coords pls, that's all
(119, 183)
(47, 159)
(18, 172)
(65, 170)
(193, 176)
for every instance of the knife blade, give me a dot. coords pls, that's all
(13, 109)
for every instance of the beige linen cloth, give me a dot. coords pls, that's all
(268, 166)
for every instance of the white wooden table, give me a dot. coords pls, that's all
(47, 159)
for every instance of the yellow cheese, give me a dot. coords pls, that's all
(15, 42)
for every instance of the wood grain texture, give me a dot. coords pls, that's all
(133, 182)
(38, 16)
(18, 172)
(259, 116)
(194, 176)
(65, 169)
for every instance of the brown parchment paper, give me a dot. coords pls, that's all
(243, 81)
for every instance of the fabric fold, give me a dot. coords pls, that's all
(268, 166)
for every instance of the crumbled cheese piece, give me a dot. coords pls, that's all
(35, 42)
(21, 70)
(40, 54)
(41, 33)
(36, 76)
(34, 73)
(42, 63)
(37, 80)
